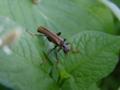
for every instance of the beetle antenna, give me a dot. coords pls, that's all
(37, 34)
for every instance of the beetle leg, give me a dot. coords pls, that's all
(58, 50)
(37, 34)
(52, 49)
(56, 54)
(59, 33)
(64, 39)
(66, 42)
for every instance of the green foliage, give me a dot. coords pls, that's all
(66, 16)
(116, 2)
(95, 60)
(87, 25)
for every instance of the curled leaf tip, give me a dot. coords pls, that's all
(113, 7)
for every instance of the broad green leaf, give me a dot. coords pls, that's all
(96, 56)
(65, 16)
(21, 70)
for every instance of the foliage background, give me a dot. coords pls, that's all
(88, 25)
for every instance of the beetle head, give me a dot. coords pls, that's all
(65, 47)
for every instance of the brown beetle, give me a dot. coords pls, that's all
(55, 38)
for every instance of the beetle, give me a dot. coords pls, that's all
(55, 39)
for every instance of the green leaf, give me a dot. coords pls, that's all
(66, 16)
(96, 56)
(94, 87)
(21, 70)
